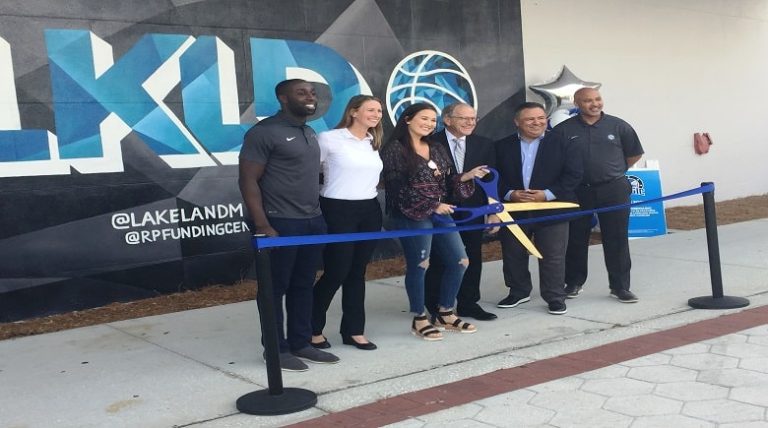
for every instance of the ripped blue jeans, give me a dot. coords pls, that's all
(416, 249)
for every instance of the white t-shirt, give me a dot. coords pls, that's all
(350, 166)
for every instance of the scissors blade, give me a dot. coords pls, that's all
(533, 206)
(519, 234)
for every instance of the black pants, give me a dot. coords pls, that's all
(469, 292)
(345, 263)
(293, 273)
(614, 229)
(551, 240)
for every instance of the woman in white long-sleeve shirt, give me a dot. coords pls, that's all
(351, 167)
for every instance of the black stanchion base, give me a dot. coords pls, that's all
(261, 402)
(725, 302)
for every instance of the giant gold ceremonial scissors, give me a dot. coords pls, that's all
(502, 210)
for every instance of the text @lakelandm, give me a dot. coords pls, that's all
(180, 223)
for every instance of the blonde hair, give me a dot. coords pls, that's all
(353, 105)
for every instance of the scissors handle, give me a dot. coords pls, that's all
(490, 187)
(472, 213)
(491, 190)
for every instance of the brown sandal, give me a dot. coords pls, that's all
(458, 325)
(428, 332)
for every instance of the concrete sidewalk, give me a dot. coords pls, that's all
(188, 368)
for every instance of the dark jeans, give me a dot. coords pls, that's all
(551, 240)
(293, 274)
(469, 292)
(614, 229)
(345, 263)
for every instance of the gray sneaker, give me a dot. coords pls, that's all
(289, 363)
(572, 291)
(311, 354)
(624, 296)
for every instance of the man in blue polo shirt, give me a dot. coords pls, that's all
(609, 147)
(279, 181)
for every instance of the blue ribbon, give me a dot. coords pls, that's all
(261, 242)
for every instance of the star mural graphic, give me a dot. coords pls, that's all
(559, 92)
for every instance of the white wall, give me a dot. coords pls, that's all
(670, 68)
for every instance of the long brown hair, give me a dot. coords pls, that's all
(401, 135)
(353, 105)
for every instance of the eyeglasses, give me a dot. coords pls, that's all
(465, 118)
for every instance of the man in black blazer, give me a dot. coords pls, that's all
(536, 167)
(467, 151)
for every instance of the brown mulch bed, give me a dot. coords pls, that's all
(727, 212)
(680, 218)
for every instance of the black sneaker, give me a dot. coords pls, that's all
(289, 363)
(557, 308)
(511, 301)
(624, 296)
(313, 355)
(572, 291)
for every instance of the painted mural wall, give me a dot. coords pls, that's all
(121, 122)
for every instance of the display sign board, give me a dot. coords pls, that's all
(647, 219)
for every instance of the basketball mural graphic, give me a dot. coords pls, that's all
(428, 76)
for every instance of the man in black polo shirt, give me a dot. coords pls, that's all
(279, 181)
(610, 146)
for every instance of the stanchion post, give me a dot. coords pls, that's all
(264, 301)
(275, 400)
(717, 300)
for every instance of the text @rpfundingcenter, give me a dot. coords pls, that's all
(174, 224)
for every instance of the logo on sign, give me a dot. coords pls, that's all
(638, 187)
(428, 76)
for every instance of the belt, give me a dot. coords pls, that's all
(602, 183)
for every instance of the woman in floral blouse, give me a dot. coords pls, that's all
(418, 177)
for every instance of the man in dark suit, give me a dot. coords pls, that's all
(467, 152)
(536, 167)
